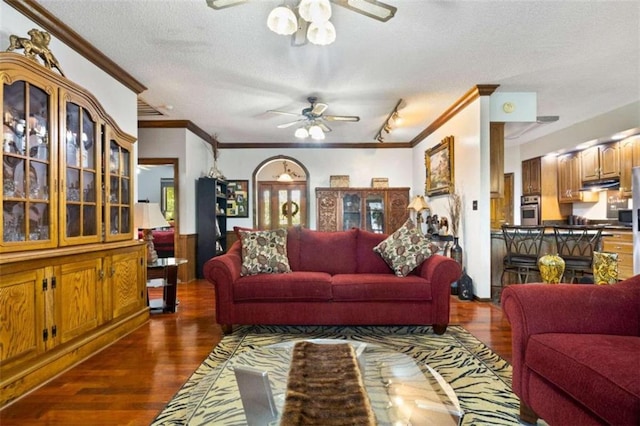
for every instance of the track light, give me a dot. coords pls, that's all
(393, 120)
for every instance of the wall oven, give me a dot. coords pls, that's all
(530, 210)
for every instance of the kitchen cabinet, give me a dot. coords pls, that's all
(570, 181)
(71, 275)
(629, 158)
(620, 242)
(531, 176)
(496, 158)
(380, 210)
(211, 220)
(601, 162)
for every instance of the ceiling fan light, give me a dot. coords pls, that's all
(316, 132)
(301, 133)
(315, 10)
(282, 21)
(321, 34)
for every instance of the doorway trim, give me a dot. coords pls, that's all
(176, 188)
(254, 182)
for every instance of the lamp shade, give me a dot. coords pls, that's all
(316, 132)
(282, 21)
(418, 204)
(149, 216)
(315, 10)
(301, 133)
(322, 34)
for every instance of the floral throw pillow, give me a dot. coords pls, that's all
(264, 252)
(405, 249)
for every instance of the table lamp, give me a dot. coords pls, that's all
(148, 216)
(418, 204)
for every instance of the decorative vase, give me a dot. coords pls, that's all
(551, 268)
(605, 268)
(456, 251)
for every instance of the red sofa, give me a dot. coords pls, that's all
(576, 352)
(336, 279)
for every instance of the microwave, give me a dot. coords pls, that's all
(625, 217)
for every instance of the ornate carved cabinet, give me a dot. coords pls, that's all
(381, 210)
(72, 279)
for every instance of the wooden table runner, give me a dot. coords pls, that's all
(325, 387)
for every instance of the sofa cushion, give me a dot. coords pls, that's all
(379, 287)
(330, 252)
(264, 252)
(293, 287)
(599, 371)
(368, 261)
(405, 249)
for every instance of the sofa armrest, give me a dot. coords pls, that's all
(441, 272)
(222, 271)
(568, 308)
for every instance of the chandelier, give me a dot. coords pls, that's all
(311, 17)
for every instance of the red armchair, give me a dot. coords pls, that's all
(576, 352)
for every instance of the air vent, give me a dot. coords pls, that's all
(146, 110)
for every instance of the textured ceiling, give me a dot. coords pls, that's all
(223, 69)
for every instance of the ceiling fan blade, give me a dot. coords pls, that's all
(319, 108)
(324, 127)
(221, 4)
(273, 111)
(371, 8)
(341, 117)
(289, 124)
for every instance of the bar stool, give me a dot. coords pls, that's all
(576, 244)
(523, 249)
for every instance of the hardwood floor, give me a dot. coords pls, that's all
(129, 382)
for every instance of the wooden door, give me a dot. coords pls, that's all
(281, 205)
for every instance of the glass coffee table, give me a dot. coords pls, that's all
(401, 391)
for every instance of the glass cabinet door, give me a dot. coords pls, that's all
(26, 166)
(351, 211)
(118, 195)
(374, 212)
(79, 212)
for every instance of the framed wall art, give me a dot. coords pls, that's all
(237, 198)
(439, 163)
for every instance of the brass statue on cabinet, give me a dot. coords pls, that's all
(37, 45)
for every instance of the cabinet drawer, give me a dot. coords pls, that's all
(617, 246)
(619, 236)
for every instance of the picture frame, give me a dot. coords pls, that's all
(237, 198)
(439, 161)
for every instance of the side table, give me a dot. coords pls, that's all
(166, 269)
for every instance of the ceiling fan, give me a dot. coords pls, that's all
(309, 20)
(371, 8)
(311, 118)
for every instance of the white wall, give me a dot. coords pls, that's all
(360, 164)
(149, 182)
(194, 160)
(470, 129)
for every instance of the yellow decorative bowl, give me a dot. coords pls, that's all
(551, 268)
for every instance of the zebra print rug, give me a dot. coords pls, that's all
(479, 377)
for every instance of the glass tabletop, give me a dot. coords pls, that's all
(167, 261)
(401, 391)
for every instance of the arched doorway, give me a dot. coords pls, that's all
(282, 193)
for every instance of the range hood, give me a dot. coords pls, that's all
(600, 185)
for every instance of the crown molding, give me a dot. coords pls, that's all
(474, 93)
(41, 16)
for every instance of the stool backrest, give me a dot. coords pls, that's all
(577, 242)
(522, 241)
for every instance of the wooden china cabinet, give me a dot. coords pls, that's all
(380, 210)
(72, 278)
